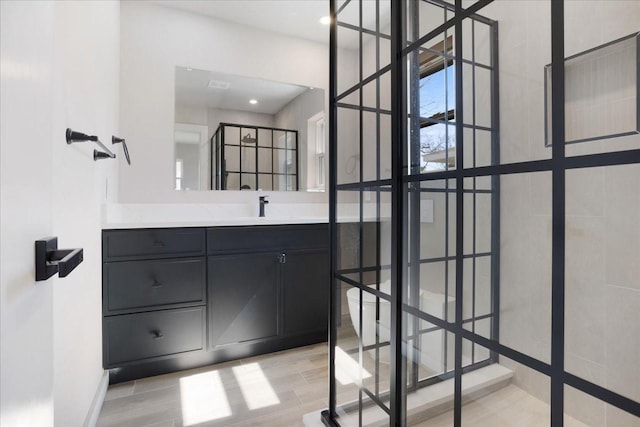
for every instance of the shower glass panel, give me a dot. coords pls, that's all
(481, 277)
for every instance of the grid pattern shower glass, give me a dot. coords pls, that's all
(486, 232)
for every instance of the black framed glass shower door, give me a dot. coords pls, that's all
(429, 174)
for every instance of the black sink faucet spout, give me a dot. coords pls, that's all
(263, 201)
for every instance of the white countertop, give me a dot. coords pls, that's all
(128, 216)
(215, 222)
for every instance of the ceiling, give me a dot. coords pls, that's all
(293, 18)
(192, 89)
(296, 18)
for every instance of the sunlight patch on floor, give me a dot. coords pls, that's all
(256, 388)
(347, 369)
(203, 398)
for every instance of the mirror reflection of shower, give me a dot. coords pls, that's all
(248, 139)
(248, 157)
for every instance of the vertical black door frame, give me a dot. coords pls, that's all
(328, 416)
(558, 214)
(459, 176)
(398, 371)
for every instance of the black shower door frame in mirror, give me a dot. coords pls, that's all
(381, 202)
(258, 144)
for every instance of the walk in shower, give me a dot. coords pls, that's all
(485, 190)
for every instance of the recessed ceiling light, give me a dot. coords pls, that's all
(253, 101)
(325, 20)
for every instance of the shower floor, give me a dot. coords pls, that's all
(508, 407)
(492, 401)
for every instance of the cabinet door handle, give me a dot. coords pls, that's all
(158, 244)
(156, 284)
(157, 335)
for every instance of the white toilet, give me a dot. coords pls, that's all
(369, 316)
(432, 344)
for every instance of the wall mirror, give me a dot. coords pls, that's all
(240, 133)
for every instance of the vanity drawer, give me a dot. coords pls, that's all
(152, 243)
(224, 239)
(132, 337)
(141, 284)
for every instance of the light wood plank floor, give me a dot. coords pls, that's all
(270, 390)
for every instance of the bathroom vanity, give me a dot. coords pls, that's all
(177, 298)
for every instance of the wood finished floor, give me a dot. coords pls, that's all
(298, 379)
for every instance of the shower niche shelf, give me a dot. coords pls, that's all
(601, 92)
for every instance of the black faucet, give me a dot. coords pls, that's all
(263, 201)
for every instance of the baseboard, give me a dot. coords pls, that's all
(195, 359)
(96, 404)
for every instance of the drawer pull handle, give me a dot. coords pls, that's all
(157, 335)
(156, 284)
(158, 244)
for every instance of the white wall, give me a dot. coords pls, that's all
(190, 114)
(86, 98)
(60, 63)
(156, 39)
(212, 117)
(26, 307)
(295, 115)
(215, 116)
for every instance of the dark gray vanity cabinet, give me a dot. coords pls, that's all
(153, 294)
(268, 284)
(243, 297)
(305, 275)
(177, 298)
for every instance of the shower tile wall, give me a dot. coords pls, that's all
(602, 334)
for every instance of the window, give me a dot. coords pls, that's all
(316, 152)
(437, 108)
(178, 174)
(320, 153)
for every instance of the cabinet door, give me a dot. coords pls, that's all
(243, 297)
(305, 281)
